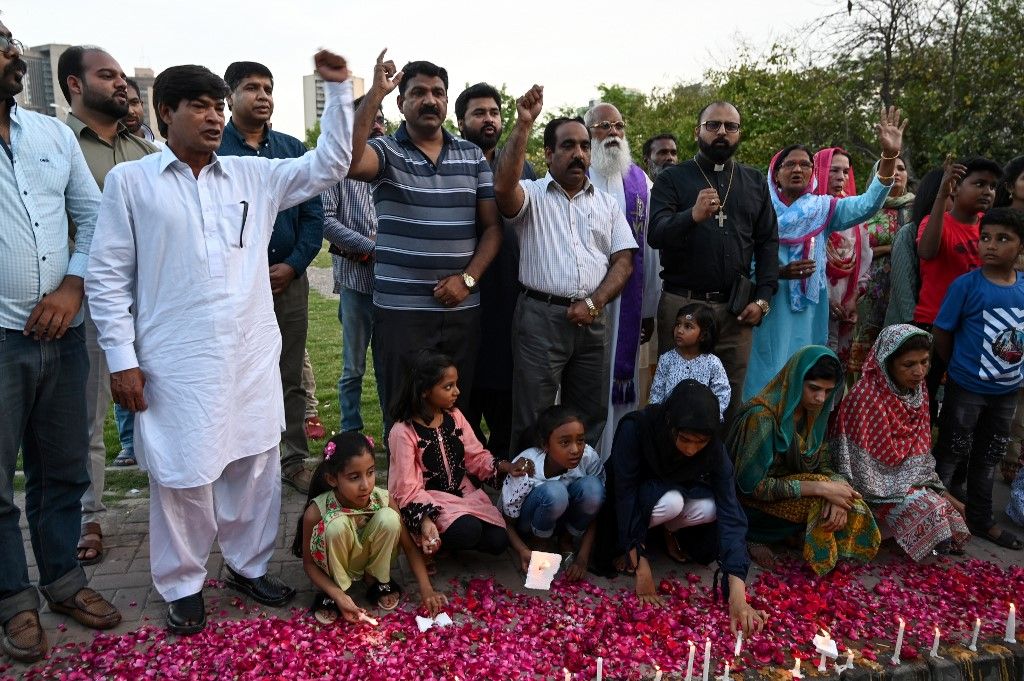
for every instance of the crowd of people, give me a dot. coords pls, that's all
(748, 363)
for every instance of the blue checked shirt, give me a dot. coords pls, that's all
(350, 224)
(46, 181)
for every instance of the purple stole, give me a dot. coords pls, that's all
(632, 296)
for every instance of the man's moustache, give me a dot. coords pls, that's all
(576, 163)
(16, 65)
(429, 110)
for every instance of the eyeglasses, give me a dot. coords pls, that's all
(715, 126)
(607, 125)
(7, 43)
(804, 165)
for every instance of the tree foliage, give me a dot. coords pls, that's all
(954, 67)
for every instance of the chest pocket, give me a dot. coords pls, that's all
(54, 171)
(236, 224)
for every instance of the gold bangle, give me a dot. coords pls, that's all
(891, 158)
(884, 178)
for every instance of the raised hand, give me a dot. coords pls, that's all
(952, 174)
(331, 67)
(528, 106)
(385, 76)
(890, 131)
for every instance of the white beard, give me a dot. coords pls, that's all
(611, 161)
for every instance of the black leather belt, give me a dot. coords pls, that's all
(547, 298)
(706, 296)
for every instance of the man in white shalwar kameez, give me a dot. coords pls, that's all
(182, 239)
(613, 171)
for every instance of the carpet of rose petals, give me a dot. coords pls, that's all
(500, 634)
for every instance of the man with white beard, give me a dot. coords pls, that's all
(631, 314)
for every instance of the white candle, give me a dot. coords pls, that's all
(568, 676)
(974, 637)
(796, 669)
(1011, 625)
(935, 644)
(689, 662)
(707, 658)
(739, 644)
(600, 669)
(657, 673)
(899, 642)
(821, 663)
(726, 676)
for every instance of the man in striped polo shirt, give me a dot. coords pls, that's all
(437, 226)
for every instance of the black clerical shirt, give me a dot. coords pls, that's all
(702, 256)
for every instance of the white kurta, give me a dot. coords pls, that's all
(189, 255)
(652, 293)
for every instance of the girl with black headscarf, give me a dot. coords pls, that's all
(669, 467)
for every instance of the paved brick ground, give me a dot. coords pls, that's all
(123, 576)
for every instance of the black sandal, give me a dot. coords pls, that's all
(1005, 538)
(324, 610)
(378, 590)
(187, 616)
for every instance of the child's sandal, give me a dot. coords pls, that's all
(379, 590)
(324, 609)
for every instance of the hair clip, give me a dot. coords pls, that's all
(688, 317)
(329, 450)
(370, 441)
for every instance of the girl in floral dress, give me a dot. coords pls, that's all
(350, 531)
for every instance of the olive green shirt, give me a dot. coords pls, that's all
(102, 156)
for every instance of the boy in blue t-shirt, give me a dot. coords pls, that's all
(980, 333)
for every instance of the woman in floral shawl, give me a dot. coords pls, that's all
(881, 442)
(786, 481)
(880, 231)
(800, 309)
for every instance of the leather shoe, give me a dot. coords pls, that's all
(24, 639)
(187, 616)
(298, 479)
(266, 589)
(89, 609)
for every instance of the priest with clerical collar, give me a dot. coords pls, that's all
(712, 221)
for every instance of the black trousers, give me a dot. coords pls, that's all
(469, 533)
(399, 334)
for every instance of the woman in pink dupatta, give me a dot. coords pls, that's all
(848, 253)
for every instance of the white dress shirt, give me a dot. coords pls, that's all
(565, 245)
(189, 256)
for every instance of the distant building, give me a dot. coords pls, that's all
(41, 91)
(313, 97)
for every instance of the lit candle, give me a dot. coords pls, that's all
(739, 644)
(974, 637)
(846, 665)
(707, 658)
(796, 669)
(821, 663)
(568, 676)
(726, 676)
(689, 662)
(657, 673)
(899, 642)
(1011, 625)
(600, 669)
(935, 644)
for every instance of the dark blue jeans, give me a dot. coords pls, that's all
(973, 429)
(42, 390)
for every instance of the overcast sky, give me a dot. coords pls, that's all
(569, 47)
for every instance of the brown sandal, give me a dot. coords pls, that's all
(89, 609)
(85, 544)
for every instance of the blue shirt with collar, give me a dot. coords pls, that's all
(43, 179)
(298, 231)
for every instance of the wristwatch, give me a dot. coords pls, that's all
(470, 281)
(594, 312)
(764, 305)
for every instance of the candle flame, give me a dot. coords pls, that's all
(901, 622)
(936, 630)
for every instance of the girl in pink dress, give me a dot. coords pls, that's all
(433, 453)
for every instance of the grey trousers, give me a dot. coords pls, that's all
(733, 348)
(550, 354)
(292, 309)
(97, 404)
